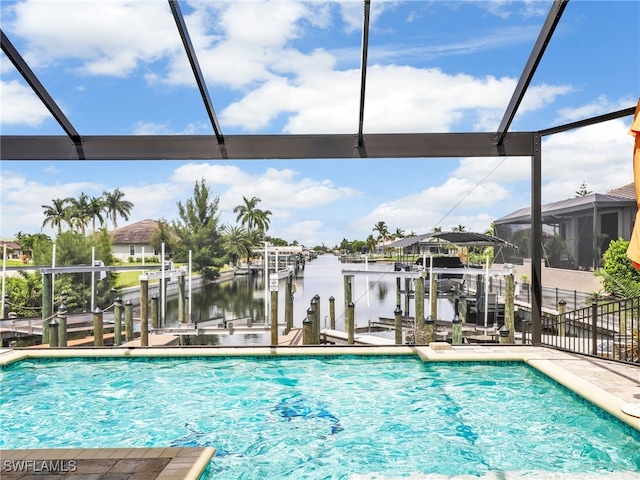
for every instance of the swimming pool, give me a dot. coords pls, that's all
(319, 417)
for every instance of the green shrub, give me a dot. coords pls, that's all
(618, 275)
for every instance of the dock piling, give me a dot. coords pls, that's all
(144, 311)
(419, 301)
(332, 313)
(53, 333)
(456, 330)
(288, 304)
(429, 330)
(62, 325)
(98, 328)
(181, 300)
(154, 311)
(47, 305)
(274, 318)
(117, 321)
(398, 326)
(350, 324)
(307, 330)
(562, 305)
(128, 321)
(318, 317)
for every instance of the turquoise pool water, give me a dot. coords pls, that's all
(319, 417)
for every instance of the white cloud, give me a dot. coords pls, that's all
(278, 190)
(406, 53)
(155, 201)
(399, 99)
(20, 105)
(505, 8)
(309, 232)
(456, 202)
(600, 155)
(598, 106)
(22, 200)
(146, 33)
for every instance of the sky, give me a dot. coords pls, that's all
(119, 68)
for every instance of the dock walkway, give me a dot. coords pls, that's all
(336, 336)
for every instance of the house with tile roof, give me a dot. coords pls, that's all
(13, 249)
(576, 231)
(134, 241)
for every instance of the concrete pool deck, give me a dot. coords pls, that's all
(609, 385)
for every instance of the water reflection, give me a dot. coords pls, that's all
(242, 299)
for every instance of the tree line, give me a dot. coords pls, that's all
(78, 213)
(197, 230)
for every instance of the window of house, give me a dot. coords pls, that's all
(132, 250)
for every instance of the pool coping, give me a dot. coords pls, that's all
(184, 463)
(550, 362)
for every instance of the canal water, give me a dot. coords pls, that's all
(242, 298)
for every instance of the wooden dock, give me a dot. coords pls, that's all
(337, 337)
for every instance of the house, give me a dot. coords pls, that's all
(134, 241)
(13, 249)
(576, 231)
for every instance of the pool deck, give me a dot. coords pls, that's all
(178, 463)
(612, 386)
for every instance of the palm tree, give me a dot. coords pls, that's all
(237, 243)
(399, 233)
(370, 243)
(96, 209)
(252, 217)
(80, 212)
(56, 213)
(383, 231)
(459, 228)
(116, 206)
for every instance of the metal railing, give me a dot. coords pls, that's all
(608, 329)
(551, 296)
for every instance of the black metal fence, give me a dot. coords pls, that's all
(608, 329)
(551, 297)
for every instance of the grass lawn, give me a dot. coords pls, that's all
(132, 278)
(11, 262)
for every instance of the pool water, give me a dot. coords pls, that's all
(320, 417)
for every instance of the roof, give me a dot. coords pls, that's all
(10, 245)
(627, 191)
(408, 241)
(570, 206)
(458, 238)
(136, 233)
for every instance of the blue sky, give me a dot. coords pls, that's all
(119, 68)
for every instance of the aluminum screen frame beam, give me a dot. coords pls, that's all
(195, 67)
(539, 48)
(536, 241)
(37, 87)
(363, 71)
(625, 112)
(249, 147)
